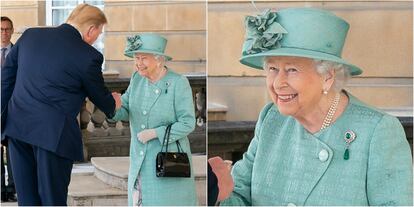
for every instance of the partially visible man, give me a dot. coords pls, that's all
(6, 33)
(7, 191)
(45, 79)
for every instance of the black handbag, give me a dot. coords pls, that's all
(172, 164)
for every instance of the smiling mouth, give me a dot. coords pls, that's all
(287, 97)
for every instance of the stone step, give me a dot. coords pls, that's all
(83, 168)
(8, 204)
(200, 172)
(113, 171)
(87, 190)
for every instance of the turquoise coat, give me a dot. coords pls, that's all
(284, 164)
(154, 106)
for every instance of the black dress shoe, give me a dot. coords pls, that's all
(4, 197)
(11, 197)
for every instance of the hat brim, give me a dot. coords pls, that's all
(256, 60)
(132, 53)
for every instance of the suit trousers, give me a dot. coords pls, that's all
(41, 177)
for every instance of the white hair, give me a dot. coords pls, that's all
(342, 72)
(161, 60)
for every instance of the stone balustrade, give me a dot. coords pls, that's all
(103, 137)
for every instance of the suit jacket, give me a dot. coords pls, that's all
(213, 189)
(46, 77)
(285, 164)
(154, 106)
(3, 117)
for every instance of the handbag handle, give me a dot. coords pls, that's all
(167, 136)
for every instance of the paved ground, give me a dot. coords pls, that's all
(8, 203)
(77, 168)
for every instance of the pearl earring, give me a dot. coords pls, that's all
(325, 92)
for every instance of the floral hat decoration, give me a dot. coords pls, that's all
(146, 43)
(299, 32)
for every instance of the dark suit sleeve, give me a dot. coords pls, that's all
(8, 80)
(213, 189)
(96, 90)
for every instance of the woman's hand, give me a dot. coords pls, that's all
(117, 98)
(222, 169)
(146, 135)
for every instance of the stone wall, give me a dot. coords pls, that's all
(183, 23)
(24, 14)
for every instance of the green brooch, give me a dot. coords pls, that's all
(349, 137)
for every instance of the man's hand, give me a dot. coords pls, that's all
(222, 169)
(117, 98)
(146, 135)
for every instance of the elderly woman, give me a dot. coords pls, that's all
(316, 144)
(156, 98)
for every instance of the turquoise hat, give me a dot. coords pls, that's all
(299, 32)
(146, 43)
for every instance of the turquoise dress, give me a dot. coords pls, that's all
(286, 165)
(154, 106)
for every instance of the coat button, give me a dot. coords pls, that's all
(144, 112)
(142, 126)
(323, 155)
(157, 91)
(291, 204)
(141, 153)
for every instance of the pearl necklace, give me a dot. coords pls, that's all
(331, 112)
(160, 75)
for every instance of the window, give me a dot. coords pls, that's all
(57, 11)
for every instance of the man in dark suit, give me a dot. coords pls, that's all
(7, 191)
(45, 79)
(220, 181)
(212, 188)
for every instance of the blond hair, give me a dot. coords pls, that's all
(85, 15)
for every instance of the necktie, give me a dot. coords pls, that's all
(3, 56)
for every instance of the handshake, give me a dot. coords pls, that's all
(222, 170)
(117, 98)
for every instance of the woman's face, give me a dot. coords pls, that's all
(146, 64)
(293, 84)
